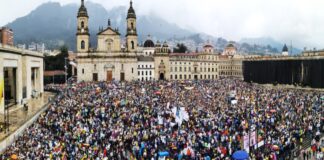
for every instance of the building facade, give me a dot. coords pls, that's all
(21, 75)
(6, 36)
(110, 60)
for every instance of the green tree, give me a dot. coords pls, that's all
(181, 48)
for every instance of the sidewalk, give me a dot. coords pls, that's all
(18, 116)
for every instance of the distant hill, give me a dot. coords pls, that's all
(55, 25)
(268, 41)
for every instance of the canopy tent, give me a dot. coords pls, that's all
(240, 155)
(54, 73)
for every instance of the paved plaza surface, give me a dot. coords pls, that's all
(18, 116)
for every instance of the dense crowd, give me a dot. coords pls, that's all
(177, 120)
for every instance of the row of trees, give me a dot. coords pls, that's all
(54, 63)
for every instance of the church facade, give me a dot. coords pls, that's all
(112, 60)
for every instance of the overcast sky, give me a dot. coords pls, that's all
(284, 20)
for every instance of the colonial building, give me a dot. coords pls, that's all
(230, 49)
(21, 75)
(230, 66)
(152, 61)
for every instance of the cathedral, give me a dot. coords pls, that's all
(112, 60)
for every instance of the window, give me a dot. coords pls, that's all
(132, 43)
(82, 44)
(150, 66)
(201, 77)
(185, 69)
(171, 76)
(213, 77)
(142, 72)
(145, 66)
(82, 24)
(139, 73)
(82, 71)
(122, 67)
(146, 72)
(208, 76)
(180, 76)
(208, 69)
(171, 69)
(132, 70)
(205, 76)
(95, 67)
(175, 69)
(185, 76)
(95, 76)
(189, 69)
(142, 66)
(189, 76)
(212, 69)
(139, 66)
(150, 73)
(132, 25)
(6, 74)
(180, 69)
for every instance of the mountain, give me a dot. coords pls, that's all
(55, 25)
(268, 41)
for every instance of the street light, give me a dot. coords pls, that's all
(65, 67)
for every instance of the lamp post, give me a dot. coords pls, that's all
(65, 67)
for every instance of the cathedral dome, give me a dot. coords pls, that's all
(208, 46)
(230, 45)
(158, 44)
(165, 44)
(149, 43)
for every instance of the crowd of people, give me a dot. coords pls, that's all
(175, 120)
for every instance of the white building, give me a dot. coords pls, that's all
(145, 69)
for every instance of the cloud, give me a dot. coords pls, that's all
(299, 21)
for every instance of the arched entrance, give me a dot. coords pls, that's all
(161, 76)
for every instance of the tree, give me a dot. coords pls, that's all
(56, 62)
(181, 48)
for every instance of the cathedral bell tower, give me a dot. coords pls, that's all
(82, 34)
(131, 33)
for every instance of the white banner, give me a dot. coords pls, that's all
(246, 143)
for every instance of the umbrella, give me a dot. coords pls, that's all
(163, 154)
(157, 92)
(240, 155)
(14, 156)
(275, 147)
(273, 111)
(189, 88)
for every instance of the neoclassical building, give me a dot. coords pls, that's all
(112, 60)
